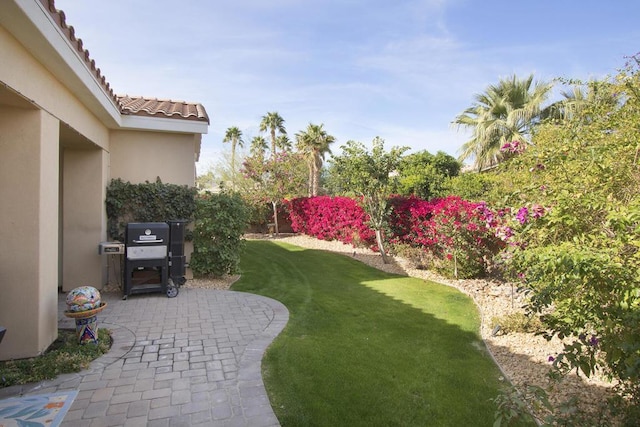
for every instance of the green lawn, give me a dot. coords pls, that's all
(367, 348)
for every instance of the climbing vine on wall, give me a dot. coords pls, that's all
(146, 202)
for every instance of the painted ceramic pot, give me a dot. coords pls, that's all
(83, 298)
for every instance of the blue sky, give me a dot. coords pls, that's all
(401, 70)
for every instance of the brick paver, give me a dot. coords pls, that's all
(190, 360)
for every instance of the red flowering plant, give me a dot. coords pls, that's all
(463, 236)
(407, 220)
(331, 218)
(460, 235)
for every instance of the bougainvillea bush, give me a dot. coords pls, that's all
(579, 256)
(331, 218)
(458, 235)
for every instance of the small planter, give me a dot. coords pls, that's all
(84, 304)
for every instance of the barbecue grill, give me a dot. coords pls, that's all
(154, 258)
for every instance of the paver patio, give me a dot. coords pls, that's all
(194, 359)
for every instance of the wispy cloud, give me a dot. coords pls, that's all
(401, 70)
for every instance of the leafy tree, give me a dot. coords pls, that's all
(372, 177)
(503, 113)
(314, 143)
(234, 136)
(423, 174)
(476, 186)
(273, 123)
(206, 181)
(274, 179)
(576, 245)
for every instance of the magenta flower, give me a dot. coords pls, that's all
(551, 359)
(522, 215)
(538, 211)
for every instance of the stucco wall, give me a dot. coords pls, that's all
(84, 217)
(143, 156)
(29, 232)
(20, 70)
(57, 155)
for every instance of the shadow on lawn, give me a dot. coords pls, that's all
(530, 371)
(354, 355)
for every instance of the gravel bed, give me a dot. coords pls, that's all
(523, 358)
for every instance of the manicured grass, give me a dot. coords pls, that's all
(367, 348)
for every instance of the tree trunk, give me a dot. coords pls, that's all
(317, 164)
(385, 259)
(455, 266)
(310, 183)
(275, 216)
(233, 167)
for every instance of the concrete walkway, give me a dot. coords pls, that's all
(190, 360)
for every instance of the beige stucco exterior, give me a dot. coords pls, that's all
(62, 138)
(138, 156)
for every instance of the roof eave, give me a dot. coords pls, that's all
(38, 31)
(163, 124)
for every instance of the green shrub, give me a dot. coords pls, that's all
(221, 220)
(146, 202)
(470, 186)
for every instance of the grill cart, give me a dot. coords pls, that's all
(154, 258)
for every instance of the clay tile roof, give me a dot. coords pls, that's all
(128, 105)
(142, 106)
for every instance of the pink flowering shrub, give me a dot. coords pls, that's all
(458, 234)
(331, 218)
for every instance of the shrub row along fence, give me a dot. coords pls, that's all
(451, 235)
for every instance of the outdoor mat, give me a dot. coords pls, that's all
(38, 410)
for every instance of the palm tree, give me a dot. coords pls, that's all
(258, 146)
(273, 123)
(314, 143)
(505, 112)
(233, 135)
(578, 99)
(283, 143)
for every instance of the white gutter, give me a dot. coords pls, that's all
(159, 123)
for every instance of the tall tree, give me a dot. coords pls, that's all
(258, 147)
(371, 176)
(506, 112)
(578, 98)
(314, 143)
(273, 123)
(424, 174)
(283, 143)
(234, 136)
(276, 178)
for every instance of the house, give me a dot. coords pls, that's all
(64, 135)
